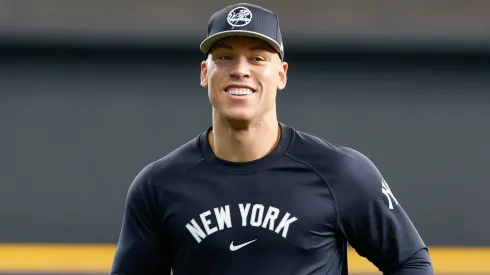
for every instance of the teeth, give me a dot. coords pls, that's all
(240, 91)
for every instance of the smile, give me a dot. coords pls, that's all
(239, 91)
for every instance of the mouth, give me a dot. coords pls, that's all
(239, 91)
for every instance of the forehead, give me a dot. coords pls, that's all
(242, 43)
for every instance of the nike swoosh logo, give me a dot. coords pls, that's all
(236, 247)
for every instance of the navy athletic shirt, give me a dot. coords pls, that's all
(291, 212)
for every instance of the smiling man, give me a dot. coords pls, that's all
(251, 195)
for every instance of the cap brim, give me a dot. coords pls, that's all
(207, 43)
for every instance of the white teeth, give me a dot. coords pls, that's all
(239, 91)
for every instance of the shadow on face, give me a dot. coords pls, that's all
(243, 56)
(244, 44)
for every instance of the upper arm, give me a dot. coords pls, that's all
(141, 248)
(371, 218)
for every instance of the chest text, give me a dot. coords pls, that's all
(251, 215)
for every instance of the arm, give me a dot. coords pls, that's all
(141, 249)
(419, 263)
(374, 223)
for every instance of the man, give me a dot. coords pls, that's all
(251, 195)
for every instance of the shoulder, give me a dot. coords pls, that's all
(158, 172)
(338, 164)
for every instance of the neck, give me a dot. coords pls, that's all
(240, 144)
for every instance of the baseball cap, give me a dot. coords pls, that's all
(244, 19)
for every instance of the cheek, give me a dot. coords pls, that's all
(213, 84)
(269, 76)
(212, 77)
(267, 72)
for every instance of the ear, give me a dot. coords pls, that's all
(283, 78)
(204, 74)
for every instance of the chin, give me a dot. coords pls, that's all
(240, 117)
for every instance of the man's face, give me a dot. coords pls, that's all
(242, 76)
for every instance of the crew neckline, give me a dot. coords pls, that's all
(247, 167)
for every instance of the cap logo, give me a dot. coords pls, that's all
(239, 17)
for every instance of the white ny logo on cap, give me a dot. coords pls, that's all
(239, 17)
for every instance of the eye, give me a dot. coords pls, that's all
(224, 57)
(258, 58)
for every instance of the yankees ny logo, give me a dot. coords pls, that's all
(239, 17)
(389, 195)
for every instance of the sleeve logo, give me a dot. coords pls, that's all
(389, 195)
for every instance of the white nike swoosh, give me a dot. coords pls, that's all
(234, 248)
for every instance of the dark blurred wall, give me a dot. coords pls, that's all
(307, 23)
(77, 126)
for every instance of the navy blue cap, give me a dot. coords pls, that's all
(244, 19)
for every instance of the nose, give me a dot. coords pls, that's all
(240, 68)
